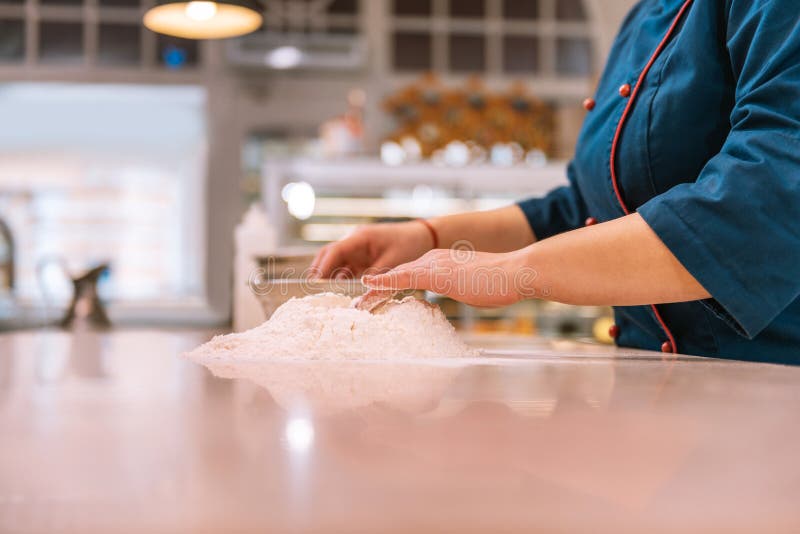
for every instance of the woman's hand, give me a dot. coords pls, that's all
(380, 247)
(377, 248)
(477, 278)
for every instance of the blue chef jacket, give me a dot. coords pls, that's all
(700, 102)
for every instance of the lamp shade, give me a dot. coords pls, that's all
(204, 19)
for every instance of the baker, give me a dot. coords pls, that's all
(683, 204)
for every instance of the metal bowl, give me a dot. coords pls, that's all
(286, 263)
(279, 277)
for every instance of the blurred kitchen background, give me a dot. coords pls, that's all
(163, 171)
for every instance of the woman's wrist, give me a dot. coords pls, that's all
(416, 237)
(432, 232)
(522, 274)
(501, 230)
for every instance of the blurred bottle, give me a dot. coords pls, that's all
(6, 259)
(344, 135)
(255, 237)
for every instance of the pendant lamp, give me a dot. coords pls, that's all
(204, 19)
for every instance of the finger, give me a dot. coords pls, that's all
(316, 269)
(421, 263)
(421, 266)
(411, 275)
(398, 280)
(342, 273)
(332, 259)
(382, 265)
(373, 298)
(313, 269)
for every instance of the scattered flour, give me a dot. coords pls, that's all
(325, 327)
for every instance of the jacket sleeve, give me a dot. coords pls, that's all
(737, 228)
(561, 210)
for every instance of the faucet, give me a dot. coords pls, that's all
(7, 255)
(86, 303)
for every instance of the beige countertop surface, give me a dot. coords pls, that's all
(113, 432)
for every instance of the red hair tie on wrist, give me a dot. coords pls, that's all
(432, 230)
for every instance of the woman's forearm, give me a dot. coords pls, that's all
(499, 230)
(621, 263)
(618, 263)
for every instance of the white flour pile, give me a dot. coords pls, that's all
(325, 327)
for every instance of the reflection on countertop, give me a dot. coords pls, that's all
(114, 432)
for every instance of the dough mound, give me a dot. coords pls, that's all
(325, 327)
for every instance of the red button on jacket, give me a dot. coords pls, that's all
(613, 331)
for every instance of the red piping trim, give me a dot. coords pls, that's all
(628, 108)
(666, 329)
(618, 135)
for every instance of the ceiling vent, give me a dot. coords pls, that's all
(320, 52)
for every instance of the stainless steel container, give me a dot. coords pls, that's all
(287, 263)
(281, 277)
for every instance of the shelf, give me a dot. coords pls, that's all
(366, 175)
(358, 187)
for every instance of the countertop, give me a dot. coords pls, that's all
(113, 432)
